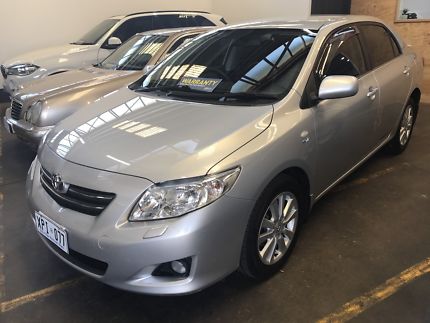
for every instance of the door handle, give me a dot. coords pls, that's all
(372, 93)
(407, 70)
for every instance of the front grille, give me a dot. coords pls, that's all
(16, 108)
(77, 198)
(3, 71)
(92, 265)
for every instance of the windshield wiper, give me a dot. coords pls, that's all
(248, 96)
(224, 97)
(187, 92)
(166, 89)
(81, 43)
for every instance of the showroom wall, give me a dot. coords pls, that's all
(236, 11)
(29, 24)
(414, 33)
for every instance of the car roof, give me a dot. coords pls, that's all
(312, 23)
(174, 31)
(160, 12)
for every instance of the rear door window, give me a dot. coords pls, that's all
(178, 43)
(133, 26)
(379, 44)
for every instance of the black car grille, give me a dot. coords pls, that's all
(77, 198)
(3, 71)
(16, 108)
(92, 265)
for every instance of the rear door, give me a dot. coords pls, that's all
(392, 72)
(345, 127)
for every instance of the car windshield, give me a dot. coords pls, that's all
(238, 65)
(94, 35)
(135, 53)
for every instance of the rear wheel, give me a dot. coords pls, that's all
(404, 132)
(272, 229)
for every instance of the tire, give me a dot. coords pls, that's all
(403, 135)
(255, 262)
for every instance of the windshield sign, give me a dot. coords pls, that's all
(203, 84)
(232, 66)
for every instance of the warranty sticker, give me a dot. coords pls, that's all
(202, 84)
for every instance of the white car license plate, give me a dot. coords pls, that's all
(52, 232)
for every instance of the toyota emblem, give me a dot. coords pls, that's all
(58, 184)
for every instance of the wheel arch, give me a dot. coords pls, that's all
(416, 97)
(302, 178)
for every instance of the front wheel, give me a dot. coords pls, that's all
(272, 228)
(404, 132)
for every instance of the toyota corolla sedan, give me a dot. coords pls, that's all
(41, 104)
(210, 163)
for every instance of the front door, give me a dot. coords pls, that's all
(345, 127)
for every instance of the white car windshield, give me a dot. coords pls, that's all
(94, 35)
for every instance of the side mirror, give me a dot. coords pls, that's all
(148, 68)
(338, 86)
(114, 42)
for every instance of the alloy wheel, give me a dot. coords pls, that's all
(406, 125)
(277, 228)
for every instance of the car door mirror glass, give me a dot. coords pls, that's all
(338, 86)
(114, 42)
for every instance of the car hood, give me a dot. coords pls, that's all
(63, 82)
(154, 138)
(58, 56)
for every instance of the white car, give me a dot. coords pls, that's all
(96, 45)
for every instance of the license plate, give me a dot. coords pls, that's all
(52, 231)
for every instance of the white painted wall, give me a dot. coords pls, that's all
(242, 10)
(27, 25)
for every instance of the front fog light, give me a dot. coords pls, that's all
(175, 269)
(173, 199)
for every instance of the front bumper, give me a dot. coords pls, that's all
(212, 236)
(24, 130)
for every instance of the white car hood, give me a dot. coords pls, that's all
(66, 55)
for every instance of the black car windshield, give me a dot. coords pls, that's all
(94, 35)
(135, 53)
(232, 66)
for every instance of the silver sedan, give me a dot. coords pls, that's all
(41, 104)
(211, 162)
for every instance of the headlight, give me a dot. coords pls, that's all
(33, 113)
(22, 69)
(173, 199)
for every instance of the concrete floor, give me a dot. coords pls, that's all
(369, 229)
